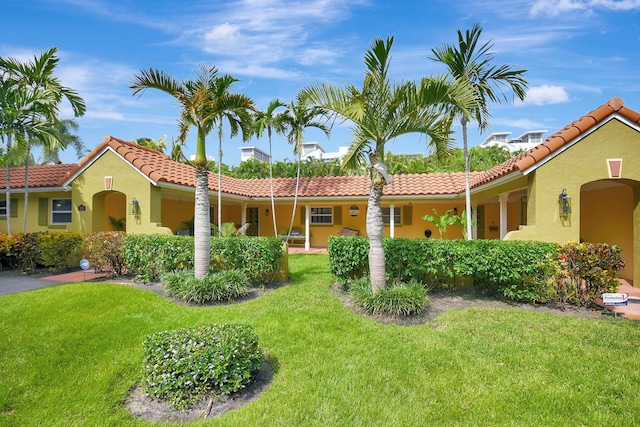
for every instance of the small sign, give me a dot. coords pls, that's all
(615, 299)
(84, 264)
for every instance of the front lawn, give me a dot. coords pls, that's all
(70, 354)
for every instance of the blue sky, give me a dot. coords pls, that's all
(578, 54)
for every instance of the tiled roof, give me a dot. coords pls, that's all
(159, 168)
(559, 139)
(39, 176)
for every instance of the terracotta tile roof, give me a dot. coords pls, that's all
(39, 176)
(558, 140)
(158, 167)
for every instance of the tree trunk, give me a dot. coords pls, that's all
(8, 190)
(375, 228)
(295, 198)
(26, 189)
(273, 204)
(467, 191)
(202, 224)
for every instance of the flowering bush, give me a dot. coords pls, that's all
(8, 254)
(588, 270)
(184, 365)
(104, 251)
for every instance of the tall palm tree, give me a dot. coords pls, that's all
(472, 65)
(270, 121)
(200, 107)
(381, 111)
(236, 115)
(65, 129)
(21, 114)
(296, 119)
(39, 74)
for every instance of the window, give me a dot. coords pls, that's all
(321, 215)
(3, 207)
(397, 216)
(60, 211)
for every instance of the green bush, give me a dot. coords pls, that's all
(397, 299)
(216, 286)
(104, 250)
(258, 257)
(148, 256)
(348, 257)
(28, 251)
(59, 251)
(182, 366)
(588, 270)
(8, 254)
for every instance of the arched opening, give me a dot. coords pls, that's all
(606, 216)
(110, 211)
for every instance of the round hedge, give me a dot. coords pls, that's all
(182, 366)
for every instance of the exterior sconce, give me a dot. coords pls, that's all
(82, 208)
(134, 208)
(455, 211)
(354, 211)
(266, 212)
(564, 203)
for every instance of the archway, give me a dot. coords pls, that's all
(109, 211)
(606, 216)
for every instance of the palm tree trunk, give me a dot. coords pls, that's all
(467, 191)
(220, 181)
(26, 189)
(8, 191)
(202, 224)
(375, 228)
(295, 198)
(273, 203)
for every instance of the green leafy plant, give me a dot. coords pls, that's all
(216, 286)
(104, 250)
(397, 299)
(184, 365)
(461, 221)
(442, 222)
(59, 251)
(118, 224)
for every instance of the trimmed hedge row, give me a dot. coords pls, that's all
(518, 270)
(56, 251)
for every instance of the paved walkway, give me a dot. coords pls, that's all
(12, 282)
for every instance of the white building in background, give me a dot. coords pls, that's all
(313, 150)
(524, 142)
(248, 153)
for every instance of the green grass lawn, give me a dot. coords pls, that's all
(70, 354)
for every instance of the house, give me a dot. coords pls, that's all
(581, 184)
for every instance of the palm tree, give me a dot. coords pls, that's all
(381, 111)
(298, 117)
(236, 114)
(473, 68)
(64, 129)
(21, 114)
(200, 108)
(269, 121)
(39, 74)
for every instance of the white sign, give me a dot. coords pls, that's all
(615, 299)
(84, 264)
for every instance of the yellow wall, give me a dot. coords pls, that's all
(583, 163)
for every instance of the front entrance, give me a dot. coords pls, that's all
(253, 218)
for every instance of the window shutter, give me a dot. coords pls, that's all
(13, 207)
(43, 211)
(407, 215)
(337, 215)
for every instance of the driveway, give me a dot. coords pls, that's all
(13, 281)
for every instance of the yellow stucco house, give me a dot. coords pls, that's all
(581, 184)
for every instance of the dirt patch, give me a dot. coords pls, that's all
(446, 300)
(149, 409)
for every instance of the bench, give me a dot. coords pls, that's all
(295, 235)
(349, 232)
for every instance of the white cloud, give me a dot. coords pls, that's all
(546, 94)
(556, 7)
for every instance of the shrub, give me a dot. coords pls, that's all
(149, 256)
(8, 254)
(104, 251)
(28, 251)
(59, 251)
(258, 257)
(216, 286)
(588, 270)
(397, 299)
(182, 366)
